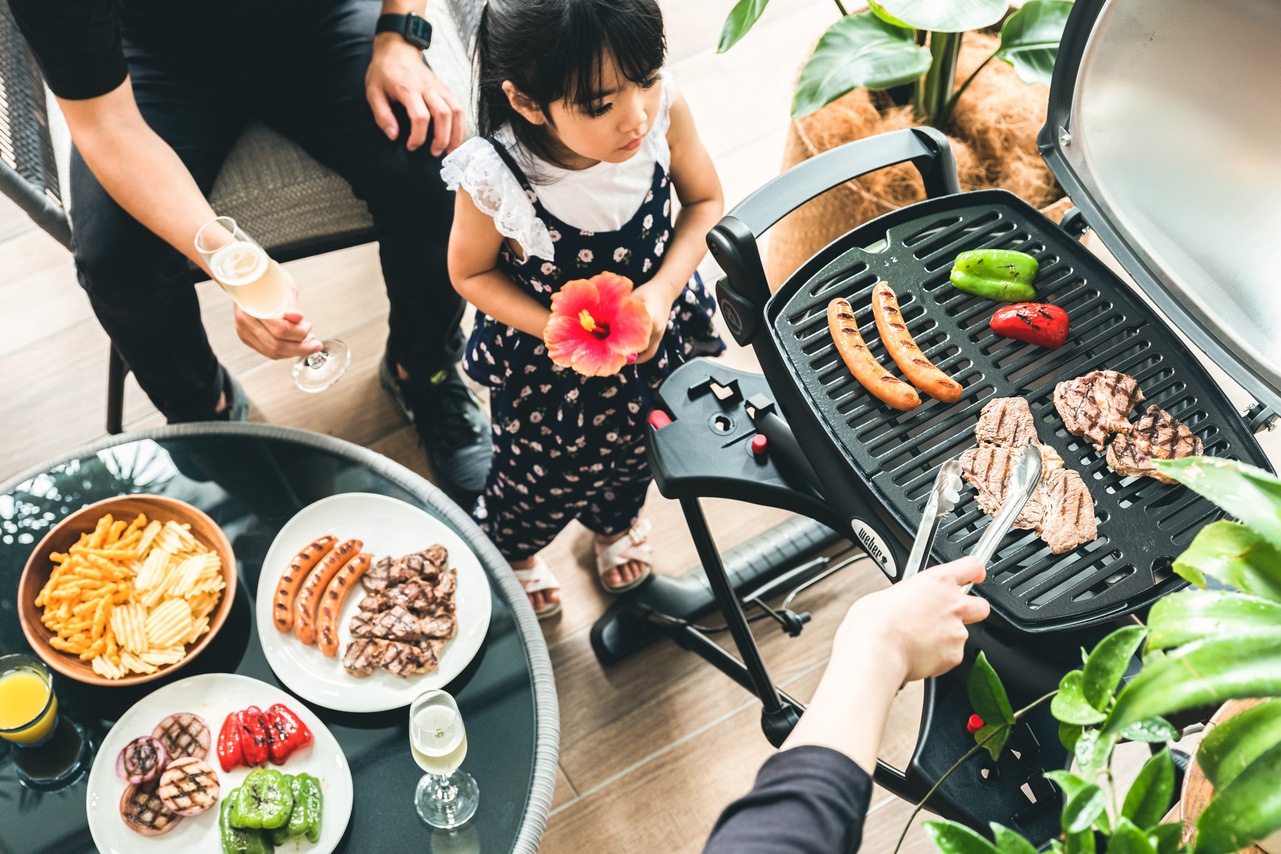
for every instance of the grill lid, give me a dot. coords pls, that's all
(1159, 130)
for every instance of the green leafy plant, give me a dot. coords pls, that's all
(1200, 648)
(899, 42)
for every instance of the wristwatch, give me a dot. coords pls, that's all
(416, 30)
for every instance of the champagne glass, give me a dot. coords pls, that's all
(257, 284)
(446, 797)
(52, 750)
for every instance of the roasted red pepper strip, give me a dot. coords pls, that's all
(229, 752)
(1034, 322)
(288, 733)
(254, 740)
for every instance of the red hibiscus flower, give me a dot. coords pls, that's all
(596, 326)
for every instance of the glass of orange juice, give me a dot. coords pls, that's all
(55, 750)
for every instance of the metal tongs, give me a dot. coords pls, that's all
(1025, 477)
(942, 500)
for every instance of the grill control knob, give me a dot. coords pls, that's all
(759, 444)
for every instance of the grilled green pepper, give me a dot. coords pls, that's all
(996, 274)
(239, 840)
(308, 801)
(263, 801)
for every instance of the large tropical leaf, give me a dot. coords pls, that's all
(1236, 555)
(1238, 741)
(1149, 796)
(1030, 38)
(1247, 809)
(879, 11)
(1106, 664)
(1194, 614)
(946, 16)
(740, 20)
(1203, 673)
(858, 50)
(1248, 493)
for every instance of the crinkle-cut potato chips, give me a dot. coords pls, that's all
(130, 596)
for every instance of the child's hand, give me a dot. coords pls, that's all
(657, 295)
(918, 626)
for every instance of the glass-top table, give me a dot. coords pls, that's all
(251, 479)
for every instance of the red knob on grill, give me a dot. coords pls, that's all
(659, 419)
(759, 443)
(974, 724)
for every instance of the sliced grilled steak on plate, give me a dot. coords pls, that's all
(1158, 435)
(144, 812)
(183, 734)
(393, 624)
(407, 617)
(1099, 403)
(1060, 509)
(403, 659)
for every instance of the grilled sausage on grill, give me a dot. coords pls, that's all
(920, 371)
(1097, 404)
(188, 786)
(1158, 435)
(144, 812)
(183, 734)
(862, 364)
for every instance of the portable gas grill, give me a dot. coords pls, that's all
(1153, 131)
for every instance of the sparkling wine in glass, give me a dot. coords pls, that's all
(257, 284)
(446, 796)
(51, 751)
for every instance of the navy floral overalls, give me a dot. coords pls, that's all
(568, 446)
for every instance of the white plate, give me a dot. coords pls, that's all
(214, 696)
(387, 527)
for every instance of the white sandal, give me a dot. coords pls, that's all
(539, 577)
(629, 547)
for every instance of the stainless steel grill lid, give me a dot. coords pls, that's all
(1163, 129)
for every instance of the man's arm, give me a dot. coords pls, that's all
(144, 175)
(398, 74)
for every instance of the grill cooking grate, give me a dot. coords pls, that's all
(1143, 524)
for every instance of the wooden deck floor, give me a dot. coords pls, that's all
(652, 748)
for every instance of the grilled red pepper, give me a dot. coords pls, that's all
(1034, 322)
(255, 743)
(229, 752)
(288, 733)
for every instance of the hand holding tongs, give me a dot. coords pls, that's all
(943, 498)
(1025, 477)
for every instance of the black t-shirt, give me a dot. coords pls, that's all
(807, 800)
(80, 44)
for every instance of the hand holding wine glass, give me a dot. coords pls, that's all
(264, 291)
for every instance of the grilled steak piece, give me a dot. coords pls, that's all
(403, 659)
(1158, 435)
(1097, 404)
(1006, 421)
(413, 595)
(183, 734)
(144, 812)
(375, 602)
(393, 624)
(1068, 520)
(441, 626)
(1060, 508)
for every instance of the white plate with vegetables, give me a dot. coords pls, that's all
(212, 697)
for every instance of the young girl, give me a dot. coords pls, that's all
(583, 138)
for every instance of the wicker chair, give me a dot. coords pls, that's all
(293, 205)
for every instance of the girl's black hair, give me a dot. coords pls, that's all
(552, 50)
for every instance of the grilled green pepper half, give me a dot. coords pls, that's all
(308, 801)
(239, 840)
(998, 274)
(264, 800)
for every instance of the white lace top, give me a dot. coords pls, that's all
(600, 198)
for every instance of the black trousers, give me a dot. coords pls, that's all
(300, 68)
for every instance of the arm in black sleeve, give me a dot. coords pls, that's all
(807, 800)
(76, 42)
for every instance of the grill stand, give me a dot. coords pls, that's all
(705, 452)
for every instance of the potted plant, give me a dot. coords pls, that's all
(905, 62)
(1200, 648)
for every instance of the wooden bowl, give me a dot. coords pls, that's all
(68, 531)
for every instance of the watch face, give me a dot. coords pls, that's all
(418, 31)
